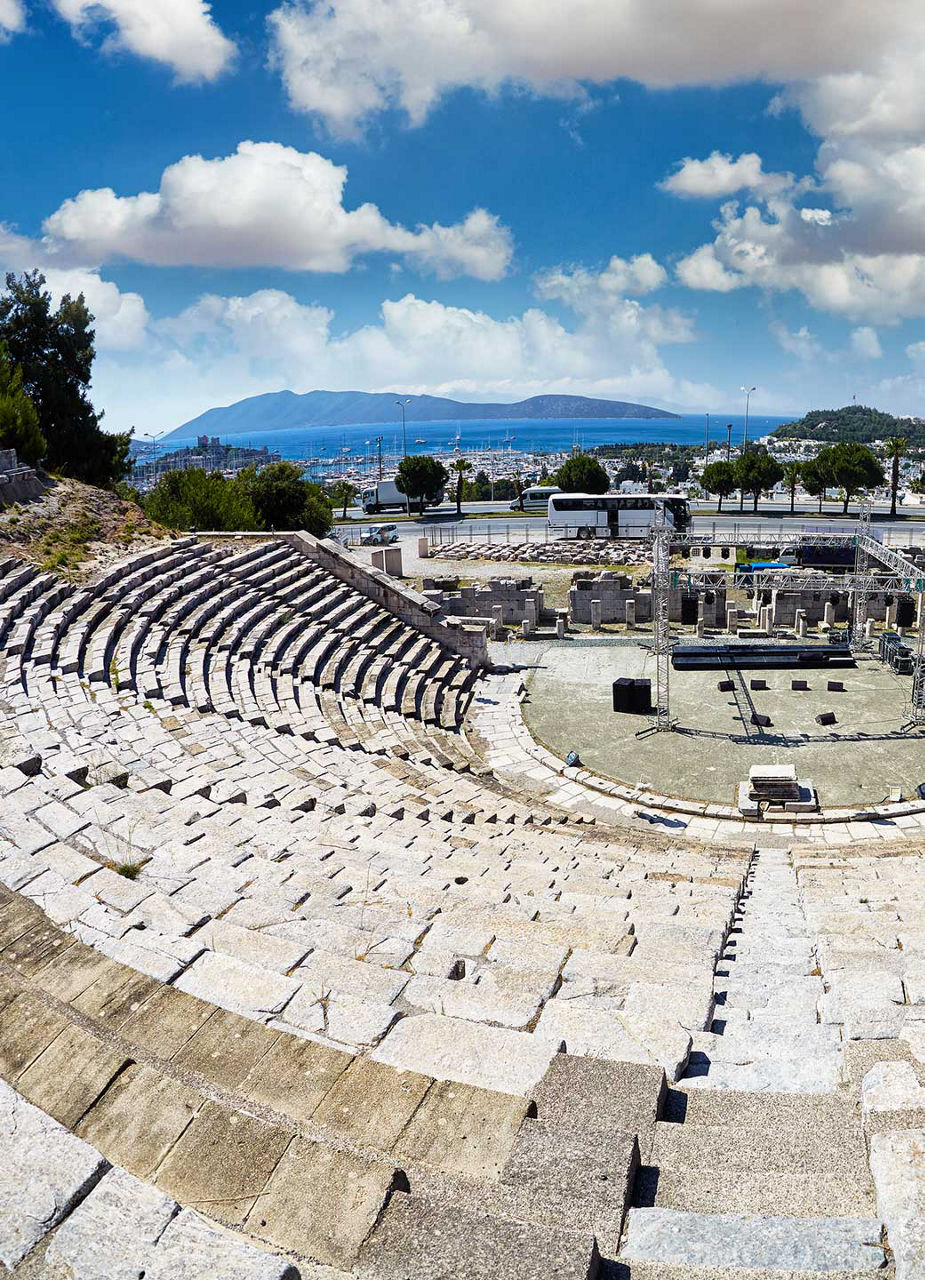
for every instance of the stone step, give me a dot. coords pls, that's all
(781, 1111)
(637, 1270)
(780, 1244)
(432, 1238)
(736, 1190)
(794, 1074)
(770, 1149)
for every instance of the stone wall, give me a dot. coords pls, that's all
(18, 483)
(613, 590)
(786, 603)
(517, 598)
(410, 606)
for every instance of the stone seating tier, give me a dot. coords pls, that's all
(274, 919)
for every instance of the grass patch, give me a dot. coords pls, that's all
(130, 870)
(66, 548)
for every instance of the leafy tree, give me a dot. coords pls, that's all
(635, 472)
(896, 447)
(197, 499)
(582, 474)
(342, 494)
(317, 514)
(460, 466)
(421, 479)
(54, 349)
(852, 467)
(719, 478)
(854, 422)
(519, 488)
(815, 479)
(19, 422)
(755, 472)
(505, 490)
(282, 499)
(792, 473)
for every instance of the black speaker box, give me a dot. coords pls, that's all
(905, 613)
(623, 694)
(642, 696)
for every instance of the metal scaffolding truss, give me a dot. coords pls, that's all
(901, 576)
(916, 713)
(786, 580)
(860, 593)
(661, 586)
(783, 541)
(897, 563)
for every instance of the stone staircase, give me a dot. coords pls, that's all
(747, 1183)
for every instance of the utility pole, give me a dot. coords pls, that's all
(379, 447)
(728, 441)
(706, 439)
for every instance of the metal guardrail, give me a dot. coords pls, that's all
(719, 533)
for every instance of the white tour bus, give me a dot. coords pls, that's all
(615, 515)
(536, 497)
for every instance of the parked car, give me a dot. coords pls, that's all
(379, 535)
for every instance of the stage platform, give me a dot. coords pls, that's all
(854, 761)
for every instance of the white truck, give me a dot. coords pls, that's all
(384, 495)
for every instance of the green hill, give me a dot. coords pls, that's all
(855, 422)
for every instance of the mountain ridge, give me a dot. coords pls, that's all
(279, 410)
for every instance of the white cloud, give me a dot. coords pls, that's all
(121, 319)
(829, 263)
(865, 343)
(179, 33)
(224, 348)
(641, 274)
(800, 343)
(346, 59)
(817, 217)
(12, 18)
(853, 69)
(265, 205)
(601, 298)
(916, 352)
(702, 269)
(720, 175)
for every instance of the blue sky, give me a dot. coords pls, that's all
(652, 201)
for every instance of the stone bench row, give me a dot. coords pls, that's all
(159, 923)
(364, 1139)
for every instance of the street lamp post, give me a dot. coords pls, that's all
(154, 438)
(728, 441)
(748, 395)
(379, 447)
(404, 441)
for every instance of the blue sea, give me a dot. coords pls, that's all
(328, 445)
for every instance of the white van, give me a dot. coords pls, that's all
(536, 498)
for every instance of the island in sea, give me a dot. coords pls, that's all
(281, 410)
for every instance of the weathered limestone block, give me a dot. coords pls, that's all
(44, 1171)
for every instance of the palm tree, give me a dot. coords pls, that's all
(895, 449)
(460, 466)
(343, 494)
(792, 473)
